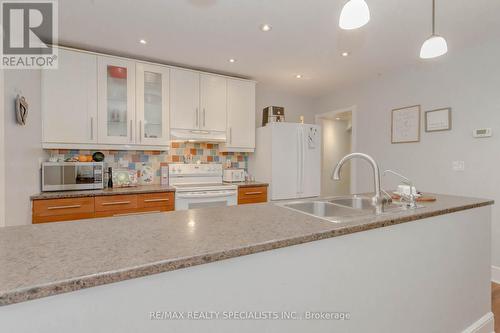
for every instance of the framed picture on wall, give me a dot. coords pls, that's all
(405, 126)
(438, 120)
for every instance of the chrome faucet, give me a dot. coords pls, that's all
(377, 200)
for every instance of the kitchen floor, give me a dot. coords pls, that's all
(495, 304)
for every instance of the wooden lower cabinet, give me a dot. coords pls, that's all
(249, 195)
(68, 209)
(54, 210)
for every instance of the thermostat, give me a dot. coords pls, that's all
(482, 133)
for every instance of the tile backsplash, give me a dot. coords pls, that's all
(180, 152)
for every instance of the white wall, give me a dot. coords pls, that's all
(2, 153)
(336, 144)
(22, 145)
(295, 105)
(469, 82)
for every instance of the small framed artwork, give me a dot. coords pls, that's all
(405, 126)
(438, 120)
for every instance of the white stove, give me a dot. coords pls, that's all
(200, 185)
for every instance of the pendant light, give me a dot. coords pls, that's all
(355, 14)
(435, 46)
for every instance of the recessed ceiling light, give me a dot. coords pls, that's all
(265, 27)
(345, 54)
(298, 76)
(337, 118)
(143, 41)
(232, 60)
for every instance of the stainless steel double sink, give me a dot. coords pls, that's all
(341, 209)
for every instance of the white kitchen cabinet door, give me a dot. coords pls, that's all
(184, 99)
(116, 96)
(240, 115)
(152, 87)
(69, 99)
(213, 102)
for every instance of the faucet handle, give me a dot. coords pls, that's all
(389, 197)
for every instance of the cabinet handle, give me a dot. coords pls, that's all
(131, 130)
(197, 118)
(253, 193)
(63, 207)
(115, 203)
(156, 200)
(204, 118)
(230, 135)
(140, 130)
(91, 128)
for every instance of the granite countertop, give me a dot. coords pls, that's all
(53, 258)
(106, 191)
(248, 184)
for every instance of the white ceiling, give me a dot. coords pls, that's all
(305, 38)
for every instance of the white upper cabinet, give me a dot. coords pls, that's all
(213, 103)
(69, 100)
(116, 100)
(184, 99)
(152, 95)
(240, 116)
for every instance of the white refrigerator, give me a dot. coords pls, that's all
(288, 157)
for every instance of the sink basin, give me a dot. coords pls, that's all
(341, 209)
(325, 209)
(355, 202)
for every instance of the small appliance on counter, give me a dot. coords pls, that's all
(63, 176)
(273, 114)
(234, 175)
(124, 178)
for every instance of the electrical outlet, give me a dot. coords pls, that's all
(458, 165)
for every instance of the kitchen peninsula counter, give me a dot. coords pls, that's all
(44, 260)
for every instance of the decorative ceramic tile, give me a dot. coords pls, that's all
(179, 152)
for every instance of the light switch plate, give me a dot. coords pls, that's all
(458, 166)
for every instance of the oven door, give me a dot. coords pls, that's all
(203, 199)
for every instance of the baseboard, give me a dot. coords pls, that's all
(495, 274)
(485, 324)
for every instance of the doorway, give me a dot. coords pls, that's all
(337, 141)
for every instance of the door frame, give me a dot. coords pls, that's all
(354, 120)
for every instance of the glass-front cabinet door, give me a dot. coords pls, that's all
(152, 93)
(116, 94)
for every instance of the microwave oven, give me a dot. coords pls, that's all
(63, 176)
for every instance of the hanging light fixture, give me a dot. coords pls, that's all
(355, 14)
(435, 46)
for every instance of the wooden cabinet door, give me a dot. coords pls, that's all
(241, 114)
(116, 97)
(213, 102)
(184, 99)
(69, 99)
(152, 111)
(249, 195)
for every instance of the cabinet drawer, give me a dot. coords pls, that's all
(247, 195)
(115, 203)
(62, 209)
(154, 200)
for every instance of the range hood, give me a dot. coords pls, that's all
(197, 135)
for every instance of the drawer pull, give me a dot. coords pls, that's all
(63, 207)
(156, 200)
(115, 203)
(138, 213)
(253, 193)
